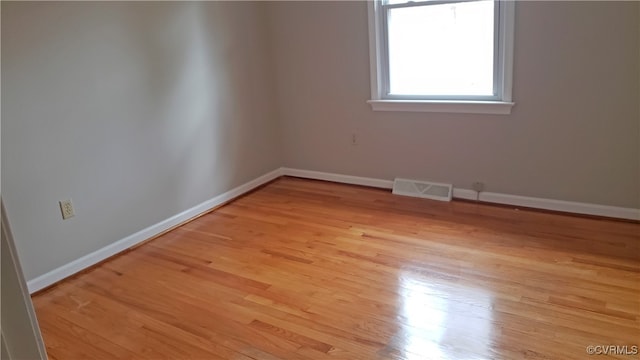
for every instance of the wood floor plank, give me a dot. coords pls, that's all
(303, 269)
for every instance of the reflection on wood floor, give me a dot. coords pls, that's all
(304, 269)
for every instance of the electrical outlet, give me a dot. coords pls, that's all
(354, 139)
(66, 207)
(477, 186)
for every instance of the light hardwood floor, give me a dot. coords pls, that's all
(304, 269)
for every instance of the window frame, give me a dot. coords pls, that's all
(499, 103)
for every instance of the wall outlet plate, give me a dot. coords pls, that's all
(66, 207)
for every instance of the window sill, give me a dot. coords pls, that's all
(441, 106)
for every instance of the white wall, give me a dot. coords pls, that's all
(573, 134)
(136, 111)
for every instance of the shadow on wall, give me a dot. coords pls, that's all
(205, 70)
(136, 111)
(185, 77)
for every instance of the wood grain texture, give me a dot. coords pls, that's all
(304, 269)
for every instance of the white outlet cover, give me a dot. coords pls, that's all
(66, 207)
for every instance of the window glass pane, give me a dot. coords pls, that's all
(442, 49)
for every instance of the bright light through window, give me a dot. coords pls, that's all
(429, 310)
(442, 50)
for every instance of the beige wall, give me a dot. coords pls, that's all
(573, 134)
(136, 111)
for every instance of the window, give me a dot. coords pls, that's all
(441, 55)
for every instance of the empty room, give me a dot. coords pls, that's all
(387, 179)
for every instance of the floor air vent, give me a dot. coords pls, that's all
(422, 189)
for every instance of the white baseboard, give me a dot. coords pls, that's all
(465, 194)
(458, 193)
(560, 205)
(95, 257)
(339, 178)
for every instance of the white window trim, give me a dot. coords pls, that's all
(379, 103)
